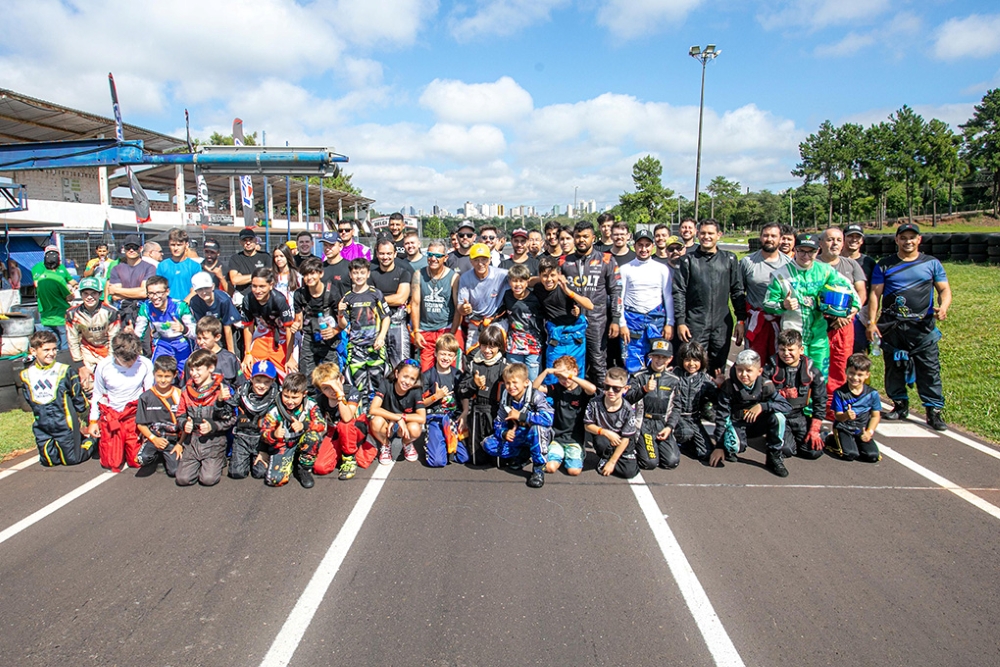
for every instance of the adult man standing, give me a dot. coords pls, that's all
(40, 268)
(519, 244)
(488, 235)
(351, 248)
(552, 247)
(152, 253)
(595, 276)
(661, 234)
(413, 254)
(336, 273)
(243, 264)
(393, 279)
(690, 232)
(647, 303)
(396, 228)
(303, 248)
(458, 258)
(620, 251)
(756, 268)
(178, 269)
(480, 294)
(535, 243)
(854, 239)
(53, 297)
(706, 281)
(840, 330)
(787, 243)
(127, 282)
(433, 293)
(605, 224)
(796, 293)
(212, 264)
(904, 285)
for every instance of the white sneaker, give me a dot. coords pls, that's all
(384, 455)
(410, 451)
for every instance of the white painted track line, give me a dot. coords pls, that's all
(978, 446)
(962, 493)
(291, 633)
(54, 506)
(7, 472)
(719, 644)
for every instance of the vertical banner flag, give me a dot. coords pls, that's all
(246, 184)
(199, 179)
(140, 202)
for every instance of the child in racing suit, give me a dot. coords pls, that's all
(292, 429)
(523, 422)
(363, 315)
(205, 417)
(655, 386)
(346, 438)
(56, 398)
(694, 390)
(90, 327)
(479, 391)
(801, 383)
(749, 406)
(253, 400)
(156, 418)
(170, 322)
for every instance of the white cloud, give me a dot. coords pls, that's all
(953, 114)
(817, 14)
(976, 36)
(503, 101)
(902, 26)
(500, 17)
(632, 18)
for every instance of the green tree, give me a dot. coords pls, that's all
(650, 203)
(850, 138)
(434, 228)
(727, 192)
(940, 154)
(227, 139)
(873, 166)
(982, 142)
(906, 158)
(820, 161)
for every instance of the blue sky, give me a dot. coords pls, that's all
(515, 102)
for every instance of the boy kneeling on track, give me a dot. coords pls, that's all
(802, 384)
(346, 429)
(569, 396)
(156, 418)
(523, 425)
(612, 423)
(205, 414)
(292, 429)
(55, 395)
(119, 380)
(655, 386)
(253, 400)
(857, 410)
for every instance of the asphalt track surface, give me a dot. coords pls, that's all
(893, 563)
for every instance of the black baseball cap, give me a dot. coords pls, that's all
(132, 239)
(807, 241)
(465, 224)
(212, 244)
(248, 233)
(907, 227)
(642, 234)
(661, 346)
(854, 229)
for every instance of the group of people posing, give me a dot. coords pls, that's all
(291, 364)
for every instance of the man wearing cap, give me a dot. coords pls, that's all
(647, 303)
(840, 330)
(178, 269)
(393, 277)
(63, 272)
(212, 264)
(336, 269)
(706, 281)
(854, 240)
(904, 285)
(595, 275)
(480, 294)
(519, 244)
(757, 267)
(458, 258)
(352, 249)
(654, 385)
(243, 264)
(90, 326)
(127, 281)
(675, 250)
(795, 293)
(209, 300)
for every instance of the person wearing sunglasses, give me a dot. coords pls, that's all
(459, 259)
(612, 423)
(432, 304)
(352, 249)
(490, 236)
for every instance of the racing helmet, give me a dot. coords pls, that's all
(835, 300)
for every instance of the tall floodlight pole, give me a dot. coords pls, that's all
(709, 53)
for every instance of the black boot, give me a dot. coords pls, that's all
(305, 478)
(776, 464)
(935, 421)
(900, 410)
(537, 478)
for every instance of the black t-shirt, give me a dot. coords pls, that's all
(460, 263)
(338, 276)
(570, 406)
(432, 380)
(531, 263)
(555, 305)
(525, 330)
(313, 307)
(388, 282)
(622, 260)
(247, 265)
(407, 404)
(600, 246)
(332, 412)
(665, 261)
(159, 416)
(260, 318)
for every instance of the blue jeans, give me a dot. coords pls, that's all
(532, 361)
(59, 331)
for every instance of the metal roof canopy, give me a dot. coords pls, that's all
(26, 119)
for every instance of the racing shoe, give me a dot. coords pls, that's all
(776, 464)
(537, 478)
(935, 420)
(385, 455)
(305, 478)
(410, 451)
(348, 468)
(900, 410)
(731, 457)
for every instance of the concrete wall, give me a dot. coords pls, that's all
(72, 185)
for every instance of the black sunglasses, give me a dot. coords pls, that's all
(466, 235)
(613, 388)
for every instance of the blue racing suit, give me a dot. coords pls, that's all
(642, 327)
(166, 342)
(532, 428)
(566, 339)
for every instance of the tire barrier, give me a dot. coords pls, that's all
(980, 248)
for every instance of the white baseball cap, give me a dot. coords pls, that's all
(201, 280)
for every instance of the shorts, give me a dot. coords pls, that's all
(569, 454)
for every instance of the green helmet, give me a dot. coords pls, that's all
(91, 283)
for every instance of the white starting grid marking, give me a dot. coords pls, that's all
(54, 506)
(7, 472)
(291, 633)
(969, 442)
(712, 631)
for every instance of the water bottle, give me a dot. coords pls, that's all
(876, 345)
(323, 325)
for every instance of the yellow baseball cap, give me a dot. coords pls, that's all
(479, 250)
